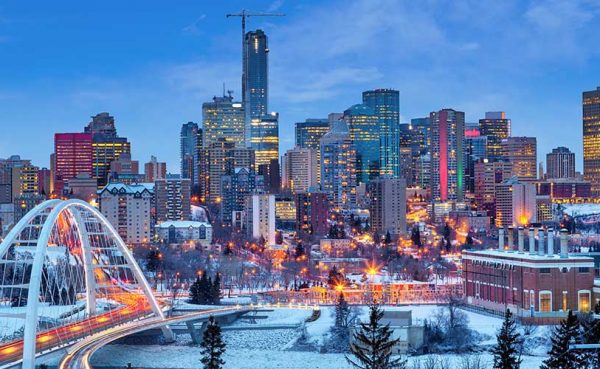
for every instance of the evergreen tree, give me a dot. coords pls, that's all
(334, 276)
(342, 312)
(506, 352)
(195, 291)
(416, 237)
(591, 335)
(560, 357)
(204, 289)
(153, 260)
(216, 290)
(299, 251)
(373, 347)
(212, 345)
(388, 238)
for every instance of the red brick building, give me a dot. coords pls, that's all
(533, 283)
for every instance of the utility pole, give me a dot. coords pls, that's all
(247, 14)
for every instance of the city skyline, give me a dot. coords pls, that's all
(158, 76)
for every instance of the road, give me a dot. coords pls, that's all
(78, 355)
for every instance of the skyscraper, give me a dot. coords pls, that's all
(591, 139)
(385, 103)
(422, 129)
(72, 156)
(560, 163)
(388, 205)
(363, 127)
(515, 203)
(255, 79)
(496, 127)
(447, 154)
(173, 198)
(223, 118)
(154, 170)
(308, 136)
(107, 146)
(522, 153)
(299, 170)
(189, 144)
(338, 168)
(235, 189)
(264, 138)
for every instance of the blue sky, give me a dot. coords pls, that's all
(153, 63)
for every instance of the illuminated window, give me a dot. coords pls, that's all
(545, 301)
(583, 301)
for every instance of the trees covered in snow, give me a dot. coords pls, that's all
(373, 344)
(507, 353)
(212, 345)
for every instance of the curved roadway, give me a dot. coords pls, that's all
(78, 356)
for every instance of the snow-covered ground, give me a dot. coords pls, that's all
(251, 349)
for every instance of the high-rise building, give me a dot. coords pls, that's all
(45, 181)
(223, 118)
(18, 177)
(560, 163)
(522, 153)
(312, 213)
(447, 154)
(125, 170)
(255, 76)
(515, 203)
(72, 155)
(388, 205)
(338, 167)
(422, 129)
(189, 144)
(264, 138)
(363, 127)
(219, 159)
(129, 209)
(385, 103)
(299, 170)
(285, 212)
(260, 217)
(309, 132)
(173, 198)
(235, 189)
(496, 127)
(82, 186)
(488, 174)
(271, 175)
(591, 139)
(107, 146)
(475, 149)
(154, 170)
(308, 136)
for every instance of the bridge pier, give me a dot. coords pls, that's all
(195, 333)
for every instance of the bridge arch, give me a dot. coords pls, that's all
(66, 258)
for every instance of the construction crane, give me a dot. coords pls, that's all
(246, 14)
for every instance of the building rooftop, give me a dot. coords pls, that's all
(525, 256)
(128, 188)
(183, 224)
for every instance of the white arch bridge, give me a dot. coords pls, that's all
(66, 275)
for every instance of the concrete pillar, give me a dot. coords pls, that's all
(541, 242)
(564, 246)
(196, 336)
(531, 240)
(511, 242)
(521, 240)
(550, 241)
(500, 239)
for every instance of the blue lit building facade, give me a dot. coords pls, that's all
(191, 143)
(385, 103)
(363, 128)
